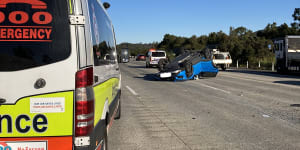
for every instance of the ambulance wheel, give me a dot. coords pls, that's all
(118, 114)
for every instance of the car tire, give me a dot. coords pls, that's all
(161, 64)
(223, 67)
(118, 114)
(214, 65)
(188, 66)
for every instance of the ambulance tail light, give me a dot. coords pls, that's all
(84, 102)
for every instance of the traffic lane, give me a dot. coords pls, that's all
(139, 127)
(274, 99)
(265, 73)
(195, 87)
(194, 112)
(257, 76)
(241, 84)
(267, 77)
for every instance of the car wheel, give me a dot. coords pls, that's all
(160, 64)
(118, 114)
(223, 67)
(214, 65)
(188, 69)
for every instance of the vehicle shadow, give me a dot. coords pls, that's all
(136, 66)
(150, 77)
(297, 83)
(267, 73)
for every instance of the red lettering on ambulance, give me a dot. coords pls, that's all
(36, 18)
(25, 33)
(13, 17)
(2, 17)
(48, 33)
(3, 33)
(18, 33)
(40, 33)
(33, 34)
(10, 33)
(36, 4)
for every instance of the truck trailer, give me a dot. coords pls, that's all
(124, 56)
(287, 53)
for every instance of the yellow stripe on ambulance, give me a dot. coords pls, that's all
(43, 115)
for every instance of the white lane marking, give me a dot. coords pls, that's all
(132, 91)
(215, 88)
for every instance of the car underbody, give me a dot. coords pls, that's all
(188, 66)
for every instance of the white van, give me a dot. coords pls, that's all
(60, 80)
(154, 56)
(222, 59)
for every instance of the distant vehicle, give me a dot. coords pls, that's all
(153, 57)
(189, 65)
(287, 53)
(140, 57)
(222, 59)
(124, 58)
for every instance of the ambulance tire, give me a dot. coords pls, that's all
(118, 114)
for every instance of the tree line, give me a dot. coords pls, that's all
(242, 43)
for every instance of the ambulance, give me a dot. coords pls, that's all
(60, 83)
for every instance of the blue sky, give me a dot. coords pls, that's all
(148, 21)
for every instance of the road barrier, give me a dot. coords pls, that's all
(260, 65)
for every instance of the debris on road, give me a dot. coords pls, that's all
(295, 105)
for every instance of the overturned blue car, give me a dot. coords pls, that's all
(188, 66)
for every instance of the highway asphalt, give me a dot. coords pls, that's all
(236, 110)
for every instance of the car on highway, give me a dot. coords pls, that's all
(60, 79)
(187, 66)
(222, 59)
(140, 57)
(124, 56)
(154, 56)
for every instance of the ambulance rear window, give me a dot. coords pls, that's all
(33, 33)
